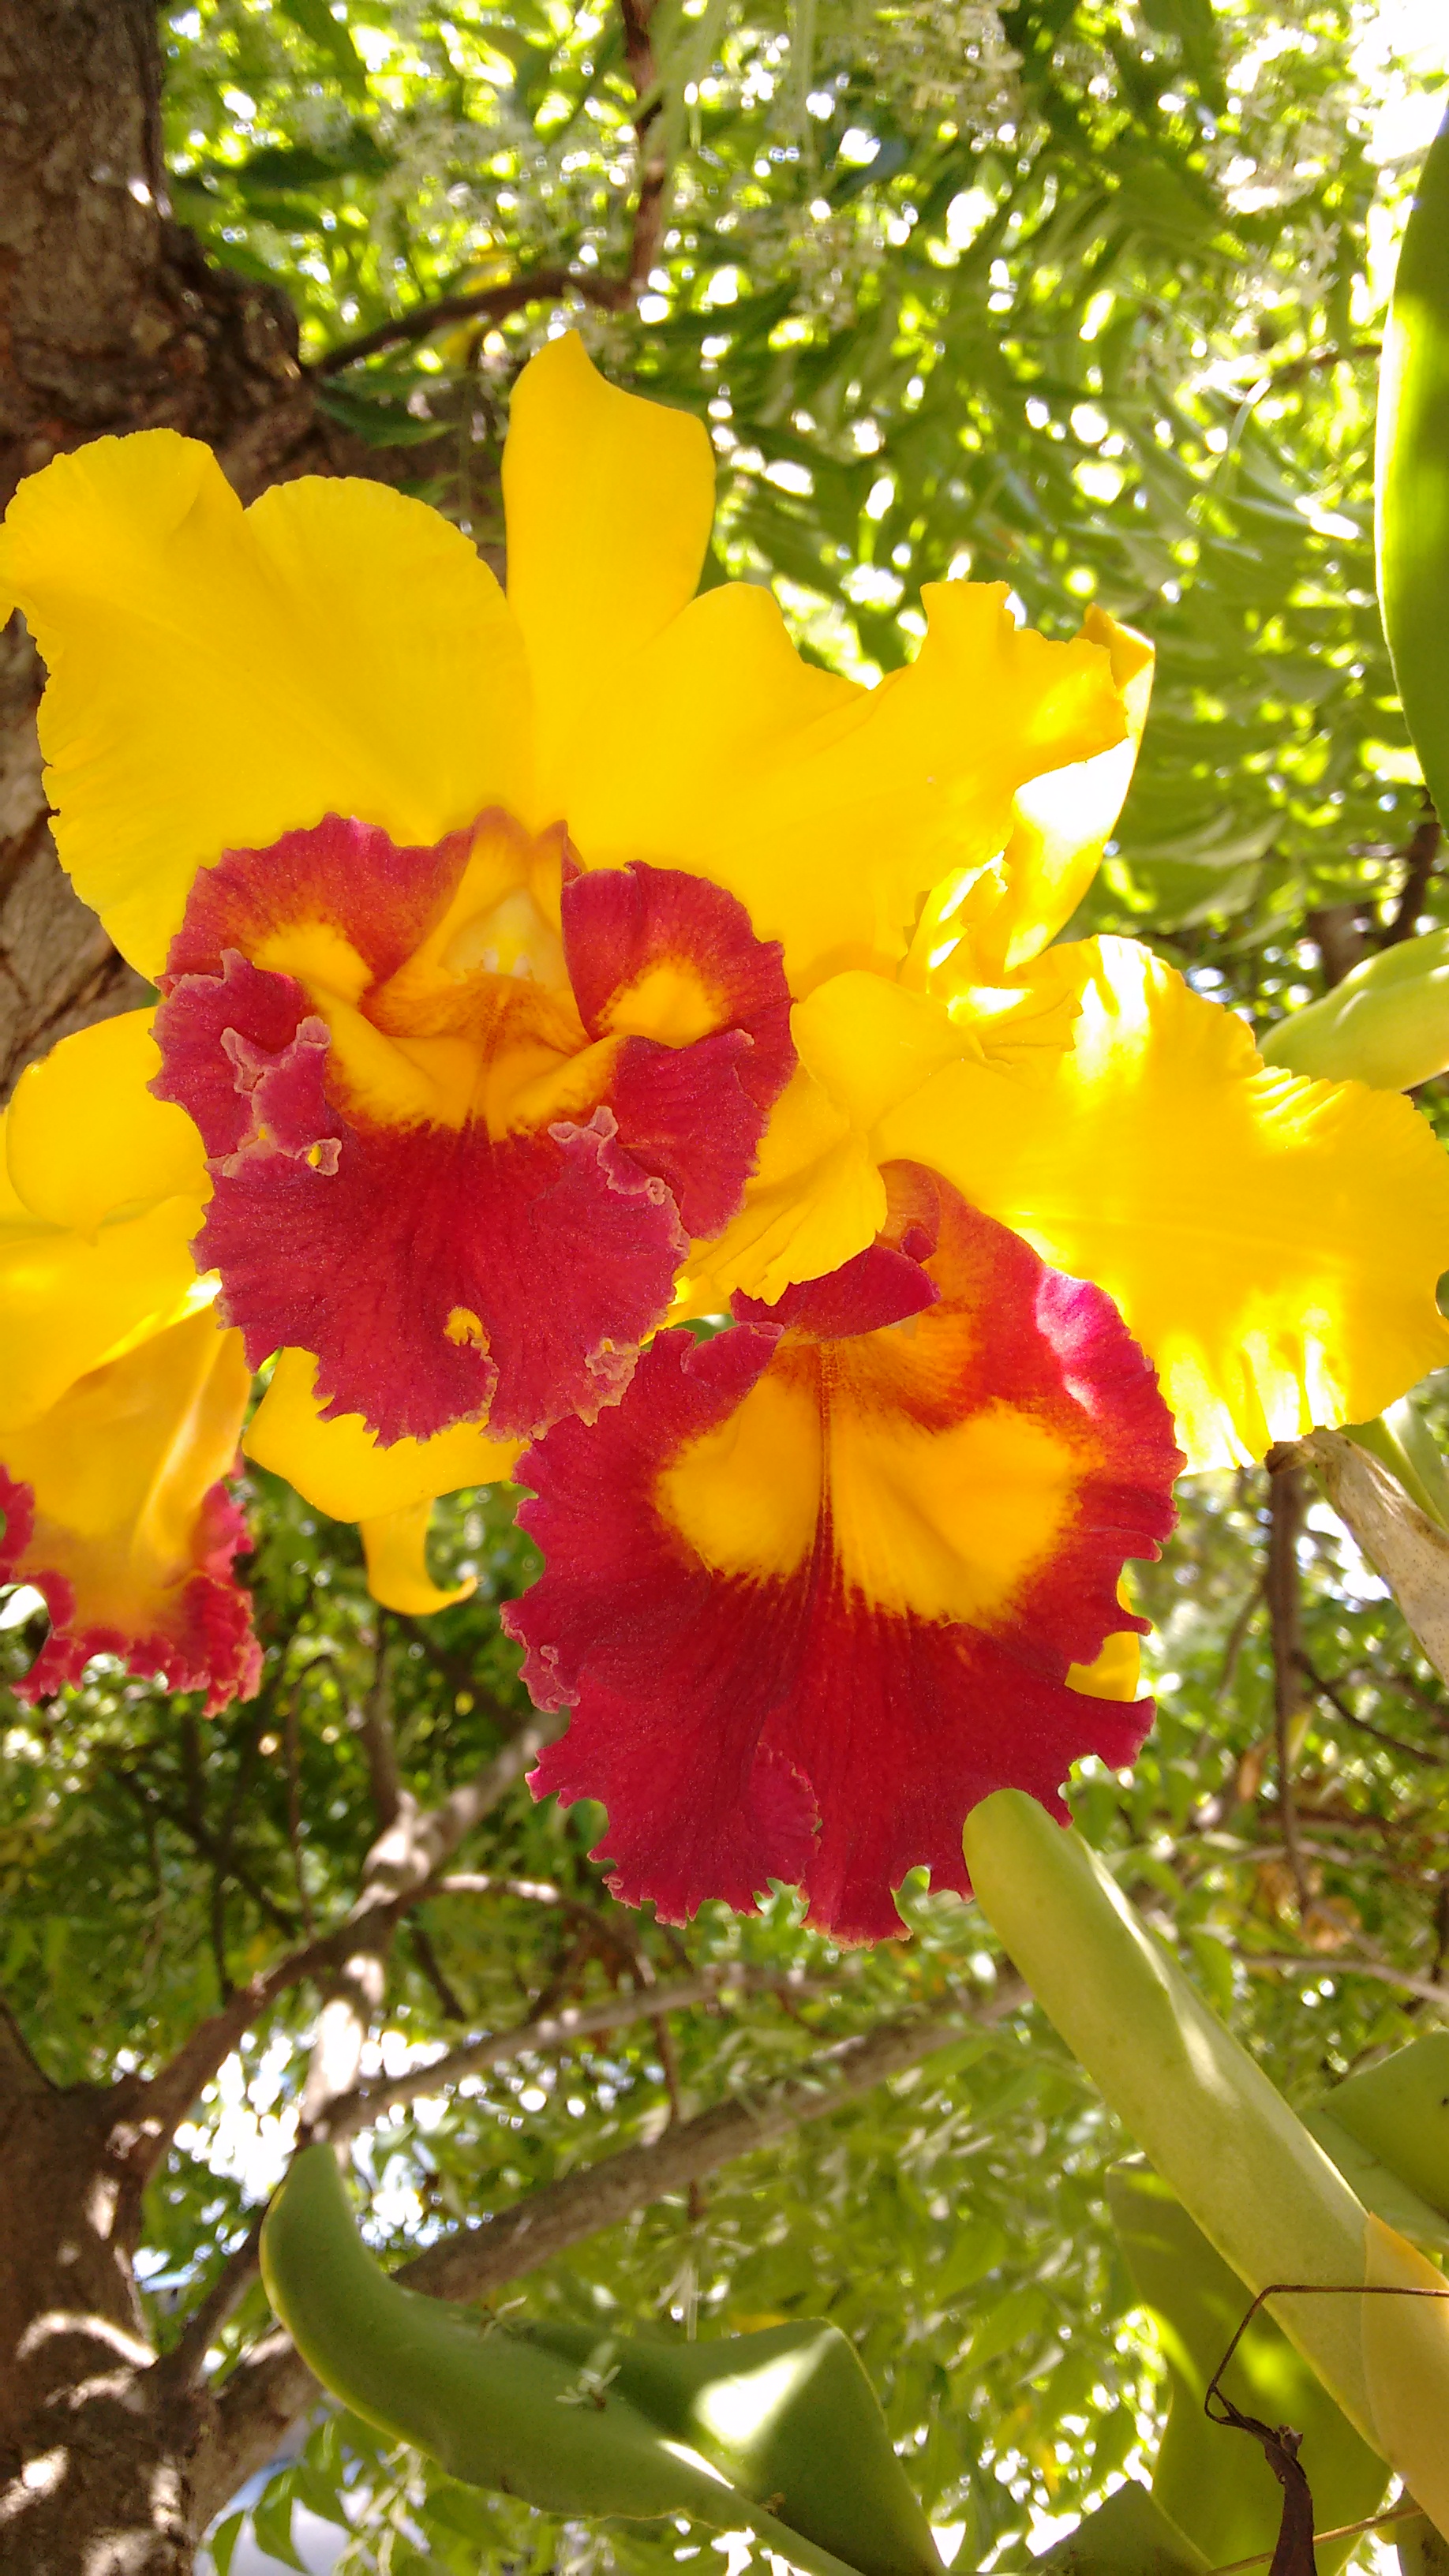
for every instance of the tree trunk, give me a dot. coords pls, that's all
(112, 318)
(94, 2441)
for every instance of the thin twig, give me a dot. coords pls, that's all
(1261, 1963)
(543, 1891)
(291, 1758)
(1330, 1692)
(1238, 1637)
(485, 304)
(1285, 1511)
(183, 2366)
(432, 1968)
(379, 1745)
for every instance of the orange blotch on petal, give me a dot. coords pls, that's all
(823, 1582)
(427, 1079)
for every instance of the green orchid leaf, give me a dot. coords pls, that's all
(1214, 2483)
(1377, 2185)
(788, 2414)
(1263, 2191)
(1413, 472)
(730, 2434)
(1399, 2111)
(1129, 2535)
(1386, 1023)
(1401, 1439)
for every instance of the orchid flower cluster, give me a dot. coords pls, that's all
(600, 1050)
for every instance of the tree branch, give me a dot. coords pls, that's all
(369, 2101)
(417, 1847)
(272, 2385)
(185, 2364)
(485, 304)
(1328, 1691)
(20, 2077)
(1419, 860)
(1260, 1964)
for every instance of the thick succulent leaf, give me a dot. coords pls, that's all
(1129, 2535)
(1386, 1023)
(1399, 2110)
(1421, 2552)
(788, 2414)
(1402, 1441)
(1376, 2185)
(577, 2425)
(1413, 472)
(1213, 2481)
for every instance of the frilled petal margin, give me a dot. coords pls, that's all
(814, 1590)
(430, 1080)
(116, 1512)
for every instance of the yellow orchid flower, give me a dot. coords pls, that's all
(121, 1396)
(478, 918)
(533, 965)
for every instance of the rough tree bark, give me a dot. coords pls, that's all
(111, 319)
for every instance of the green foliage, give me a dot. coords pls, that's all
(1079, 297)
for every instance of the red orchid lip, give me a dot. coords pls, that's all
(811, 1597)
(415, 1113)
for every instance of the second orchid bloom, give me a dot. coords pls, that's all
(550, 980)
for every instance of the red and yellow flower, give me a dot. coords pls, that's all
(545, 972)
(121, 1395)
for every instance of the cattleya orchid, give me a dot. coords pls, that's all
(121, 1396)
(548, 979)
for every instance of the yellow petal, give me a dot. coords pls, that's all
(84, 1139)
(219, 677)
(1273, 1243)
(1116, 1673)
(1063, 819)
(871, 1043)
(609, 501)
(122, 1469)
(816, 1199)
(1406, 2362)
(395, 1546)
(829, 810)
(339, 1467)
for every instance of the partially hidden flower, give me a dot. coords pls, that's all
(822, 1582)
(121, 1396)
